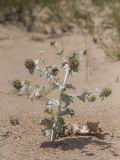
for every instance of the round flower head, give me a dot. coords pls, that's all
(29, 64)
(105, 92)
(54, 71)
(73, 62)
(17, 84)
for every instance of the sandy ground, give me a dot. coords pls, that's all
(25, 141)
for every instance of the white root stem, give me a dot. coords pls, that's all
(66, 77)
(53, 134)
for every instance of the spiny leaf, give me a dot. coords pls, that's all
(70, 86)
(46, 73)
(67, 99)
(48, 110)
(84, 95)
(48, 122)
(46, 132)
(65, 111)
(36, 91)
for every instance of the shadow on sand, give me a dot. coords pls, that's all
(80, 143)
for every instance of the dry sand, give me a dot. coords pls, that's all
(25, 141)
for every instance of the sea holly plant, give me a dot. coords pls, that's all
(56, 109)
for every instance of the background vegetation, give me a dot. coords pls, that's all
(39, 14)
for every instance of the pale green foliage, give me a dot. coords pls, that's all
(112, 50)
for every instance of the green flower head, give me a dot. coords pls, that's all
(54, 71)
(17, 84)
(73, 62)
(29, 64)
(105, 92)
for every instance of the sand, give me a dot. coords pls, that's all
(25, 141)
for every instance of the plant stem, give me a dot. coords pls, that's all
(66, 76)
(53, 135)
